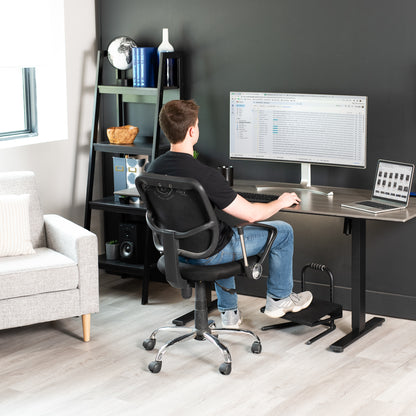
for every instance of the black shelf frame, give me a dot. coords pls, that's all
(143, 145)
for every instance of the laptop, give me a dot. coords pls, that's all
(391, 189)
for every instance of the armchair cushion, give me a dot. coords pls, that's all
(43, 272)
(15, 237)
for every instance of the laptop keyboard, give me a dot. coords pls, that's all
(376, 205)
(253, 197)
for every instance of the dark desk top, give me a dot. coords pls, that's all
(315, 201)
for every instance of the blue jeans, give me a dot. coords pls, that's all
(280, 281)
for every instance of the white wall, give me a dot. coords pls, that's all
(61, 167)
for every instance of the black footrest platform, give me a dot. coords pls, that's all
(312, 315)
(319, 312)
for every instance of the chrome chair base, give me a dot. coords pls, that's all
(209, 334)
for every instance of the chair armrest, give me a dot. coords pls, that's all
(81, 246)
(254, 271)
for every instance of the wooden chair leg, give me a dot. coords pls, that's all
(86, 326)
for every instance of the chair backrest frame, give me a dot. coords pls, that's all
(187, 233)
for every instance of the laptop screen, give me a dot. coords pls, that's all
(393, 181)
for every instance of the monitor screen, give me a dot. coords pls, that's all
(302, 128)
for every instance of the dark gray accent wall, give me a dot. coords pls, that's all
(311, 46)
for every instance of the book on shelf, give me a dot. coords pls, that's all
(144, 66)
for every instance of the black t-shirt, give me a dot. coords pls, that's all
(218, 191)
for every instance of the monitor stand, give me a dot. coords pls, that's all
(305, 183)
(305, 175)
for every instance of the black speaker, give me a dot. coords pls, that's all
(130, 247)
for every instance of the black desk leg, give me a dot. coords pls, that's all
(358, 269)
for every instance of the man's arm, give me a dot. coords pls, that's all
(258, 211)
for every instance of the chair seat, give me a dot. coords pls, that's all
(196, 272)
(42, 272)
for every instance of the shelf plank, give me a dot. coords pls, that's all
(124, 90)
(136, 148)
(130, 149)
(140, 95)
(120, 267)
(110, 203)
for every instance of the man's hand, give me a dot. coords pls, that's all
(288, 199)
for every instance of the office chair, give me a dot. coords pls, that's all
(184, 223)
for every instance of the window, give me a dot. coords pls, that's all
(18, 103)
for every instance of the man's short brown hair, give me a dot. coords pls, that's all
(176, 117)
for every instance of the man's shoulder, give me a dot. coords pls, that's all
(172, 163)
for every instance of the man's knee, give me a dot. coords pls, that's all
(282, 226)
(284, 231)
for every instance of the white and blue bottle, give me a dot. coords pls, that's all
(165, 46)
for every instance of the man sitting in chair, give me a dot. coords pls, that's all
(179, 121)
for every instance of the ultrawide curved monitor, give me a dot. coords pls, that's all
(301, 128)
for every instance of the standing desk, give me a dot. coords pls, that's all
(314, 201)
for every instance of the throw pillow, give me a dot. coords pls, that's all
(14, 225)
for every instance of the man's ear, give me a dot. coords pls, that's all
(191, 131)
(193, 134)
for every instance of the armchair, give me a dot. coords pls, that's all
(57, 276)
(184, 223)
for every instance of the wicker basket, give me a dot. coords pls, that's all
(122, 134)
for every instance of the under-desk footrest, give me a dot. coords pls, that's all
(313, 314)
(319, 312)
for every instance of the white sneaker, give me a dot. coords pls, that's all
(295, 302)
(231, 319)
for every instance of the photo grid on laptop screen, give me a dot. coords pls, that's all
(392, 181)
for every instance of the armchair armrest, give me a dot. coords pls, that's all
(81, 246)
(254, 271)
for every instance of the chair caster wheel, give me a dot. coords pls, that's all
(225, 368)
(155, 366)
(256, 347)
(149, 344)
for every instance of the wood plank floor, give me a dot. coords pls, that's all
(47, 370)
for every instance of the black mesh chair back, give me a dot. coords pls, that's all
(179, 206)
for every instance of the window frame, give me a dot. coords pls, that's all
(29, 108)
